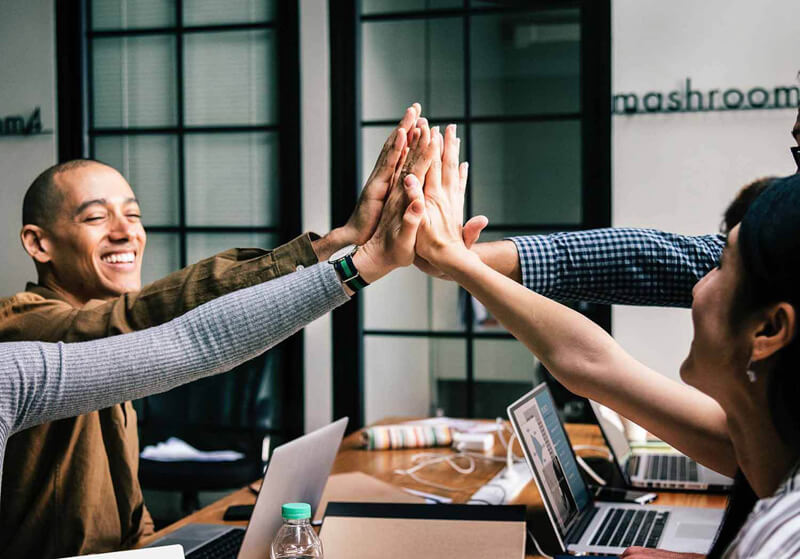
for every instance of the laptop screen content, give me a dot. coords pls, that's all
(546, 444)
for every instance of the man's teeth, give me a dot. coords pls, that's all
(120, 258)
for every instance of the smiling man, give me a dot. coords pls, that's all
(82, 226)
(70, 487)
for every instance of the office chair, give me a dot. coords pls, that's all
(234, 411)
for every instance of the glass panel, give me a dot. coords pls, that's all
(393, 6)
(203, 245)
(231, 78)
(526, 63)
(134, 81)
(132, 14)
(504, 371)
(162, 256)
(407, 61)
(410, 376)
(407, 299)
(214, 12)
(503, 360)
(372, 139)
(483, 321)
(232, 179)
(527, 172)
(149, 163)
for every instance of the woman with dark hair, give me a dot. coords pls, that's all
(741, 410)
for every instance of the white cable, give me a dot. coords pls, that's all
(597, 448)
(511, 473)
(536, 545)
(437, 458)
(588, 469)
(501, 427)
(426, 459)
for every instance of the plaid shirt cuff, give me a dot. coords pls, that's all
(538, 261)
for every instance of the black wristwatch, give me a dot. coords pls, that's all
(342, 261)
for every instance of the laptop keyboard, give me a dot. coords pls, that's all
(627, 527)
(224, 547)
(666, 467)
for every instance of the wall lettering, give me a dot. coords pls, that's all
(18, 125)
(690, 100)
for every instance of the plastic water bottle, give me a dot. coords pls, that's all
(296, 539)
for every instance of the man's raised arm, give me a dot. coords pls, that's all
(612, 266)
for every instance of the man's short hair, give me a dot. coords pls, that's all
(738, 207)
(43, 199)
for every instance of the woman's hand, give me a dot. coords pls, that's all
(440, 240)
(645, 553)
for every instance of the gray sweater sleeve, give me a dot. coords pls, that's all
(42, 382)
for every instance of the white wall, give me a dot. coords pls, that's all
(27, 67)
(679, 171)
(316, 194)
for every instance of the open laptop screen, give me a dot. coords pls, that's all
(548, 451)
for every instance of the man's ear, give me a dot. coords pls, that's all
(35, 242)
(777, 330)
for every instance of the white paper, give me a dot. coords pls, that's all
(176, 450)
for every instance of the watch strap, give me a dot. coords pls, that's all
(349, 274)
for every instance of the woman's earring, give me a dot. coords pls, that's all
(751, 375)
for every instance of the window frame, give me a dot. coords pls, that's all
(77, 133)
(595, 119)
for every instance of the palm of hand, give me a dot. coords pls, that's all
(384, 245)
(445, 184)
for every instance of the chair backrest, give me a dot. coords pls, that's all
(245, 400)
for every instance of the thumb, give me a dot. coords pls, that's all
(473, 228)
(407, 236)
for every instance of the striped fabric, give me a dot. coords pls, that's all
(772, 530)
(384, 437)
(617, 265)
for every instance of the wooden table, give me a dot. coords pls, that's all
(381, 464)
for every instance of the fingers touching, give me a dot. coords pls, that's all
(433, 178)
(392, 149)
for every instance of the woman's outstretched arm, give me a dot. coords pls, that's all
(576, 351)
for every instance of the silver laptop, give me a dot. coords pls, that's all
(582, 524)
(654, 470)
(297, 472)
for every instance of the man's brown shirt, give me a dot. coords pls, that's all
(70, 487)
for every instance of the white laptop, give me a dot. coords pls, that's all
(297, 472)
(168, 552)
(582, 524)
(654, 470)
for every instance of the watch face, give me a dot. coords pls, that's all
(339, 254)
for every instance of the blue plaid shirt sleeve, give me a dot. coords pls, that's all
(617, 265)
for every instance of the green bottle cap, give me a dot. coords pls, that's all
(296, 511)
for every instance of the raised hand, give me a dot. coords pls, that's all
(364, 219)
(646, 553)
(441, 235)
(471, 231)
(392, 243)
